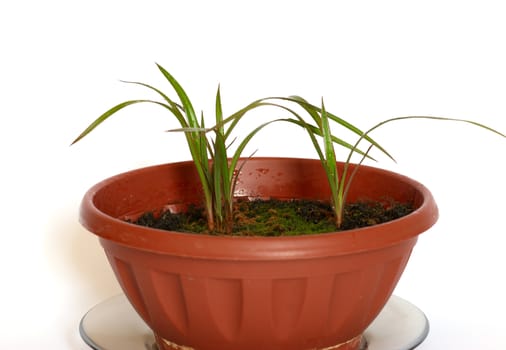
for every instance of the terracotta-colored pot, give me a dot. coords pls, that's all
(273, 293)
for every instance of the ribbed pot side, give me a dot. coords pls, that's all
(273, 293)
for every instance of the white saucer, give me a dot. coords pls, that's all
(114, 325)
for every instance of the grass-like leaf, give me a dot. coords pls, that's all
(110, 112)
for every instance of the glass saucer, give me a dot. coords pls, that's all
(114, 325)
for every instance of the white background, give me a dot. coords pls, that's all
(60, 66)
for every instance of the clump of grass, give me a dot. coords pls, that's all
(340, 183)
(216, 163)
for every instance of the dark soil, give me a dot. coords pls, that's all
(282, 218)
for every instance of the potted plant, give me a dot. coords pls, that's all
(219, 289)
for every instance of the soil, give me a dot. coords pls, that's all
(281, 218)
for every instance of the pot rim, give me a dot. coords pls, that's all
(247, 248)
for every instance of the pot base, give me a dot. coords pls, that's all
(357, 343)
(114, 325)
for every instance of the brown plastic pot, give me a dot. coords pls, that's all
(273, 293)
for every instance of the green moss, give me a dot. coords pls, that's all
(281, 218)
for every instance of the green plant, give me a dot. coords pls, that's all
(216, 170)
